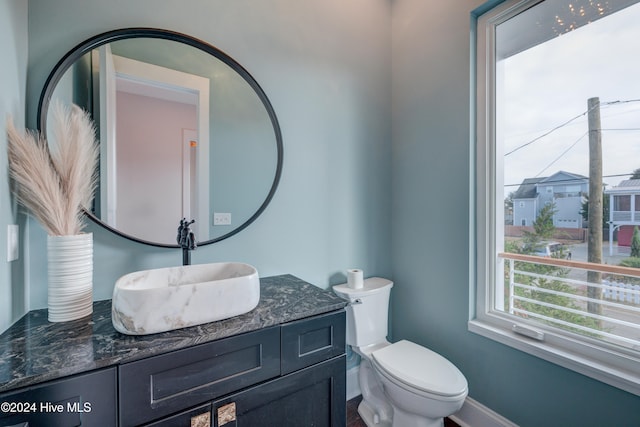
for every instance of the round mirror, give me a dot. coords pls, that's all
(184, 132)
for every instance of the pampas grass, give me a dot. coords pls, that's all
(55, 181)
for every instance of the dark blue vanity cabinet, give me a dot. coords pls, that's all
(283, 364)
(312, 388)
(301, 382)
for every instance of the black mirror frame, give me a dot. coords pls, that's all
(110, 36)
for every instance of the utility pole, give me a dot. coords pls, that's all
(594, 248)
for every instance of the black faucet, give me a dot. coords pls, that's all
(186, 239)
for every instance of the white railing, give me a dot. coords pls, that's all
(598, 300)
(624, 216)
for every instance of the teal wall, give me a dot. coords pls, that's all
(430, 239)
(351, 180)
(13, 81)
(331, 211)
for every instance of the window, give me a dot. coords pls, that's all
(556, 86)
(622, 203)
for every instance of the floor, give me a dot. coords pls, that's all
(354, 420)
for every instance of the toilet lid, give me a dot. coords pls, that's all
(421, 368)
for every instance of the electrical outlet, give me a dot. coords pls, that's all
(13, 245)
(221, 218)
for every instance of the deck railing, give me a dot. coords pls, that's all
(625, 216)
(598, 300)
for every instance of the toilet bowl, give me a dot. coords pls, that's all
(403, 384)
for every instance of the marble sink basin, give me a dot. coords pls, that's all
(164, 299)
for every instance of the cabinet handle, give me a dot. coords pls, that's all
(226, 414)
(202, 420)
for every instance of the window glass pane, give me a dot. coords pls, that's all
(622, 203)
(550, 60)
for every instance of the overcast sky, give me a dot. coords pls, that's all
(550, 84)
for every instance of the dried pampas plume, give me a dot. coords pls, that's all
(55, 181)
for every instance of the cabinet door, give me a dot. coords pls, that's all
(314, 396)
(84, 400)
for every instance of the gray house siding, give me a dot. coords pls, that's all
(565, 189)
(524, 211)
(568, 212)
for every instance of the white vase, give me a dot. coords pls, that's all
(70, 275)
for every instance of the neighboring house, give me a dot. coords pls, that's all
(566, 190)
(624, 211)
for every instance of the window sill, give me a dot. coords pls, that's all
(590, 367)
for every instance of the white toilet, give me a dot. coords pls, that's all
(403, 384)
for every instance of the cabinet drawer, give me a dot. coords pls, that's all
(309, 341)
(86, 399)
(162, 385)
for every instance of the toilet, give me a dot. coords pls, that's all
(403, 384)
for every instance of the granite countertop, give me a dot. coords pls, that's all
(34, 350)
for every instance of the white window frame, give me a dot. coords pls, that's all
(614, 366)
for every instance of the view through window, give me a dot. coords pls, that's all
(550, 133)
(560, 121)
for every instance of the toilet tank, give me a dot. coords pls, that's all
(367, 312)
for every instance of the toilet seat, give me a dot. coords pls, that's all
(419, 368)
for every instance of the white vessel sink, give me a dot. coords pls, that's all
(164, 299)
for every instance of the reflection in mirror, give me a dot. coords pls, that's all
(183, 134)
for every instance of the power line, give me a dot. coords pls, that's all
(562, 154)
(573, 144)
(562, 181)
(546, 134)
(609, 103)
(627, 101)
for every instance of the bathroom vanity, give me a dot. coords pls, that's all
(282, 364)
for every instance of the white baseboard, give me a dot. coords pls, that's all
(472, 413)
(475, 414)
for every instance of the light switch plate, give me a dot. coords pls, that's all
(221, 218)
(13, 245)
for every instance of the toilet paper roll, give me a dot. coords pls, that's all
(355, 278)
